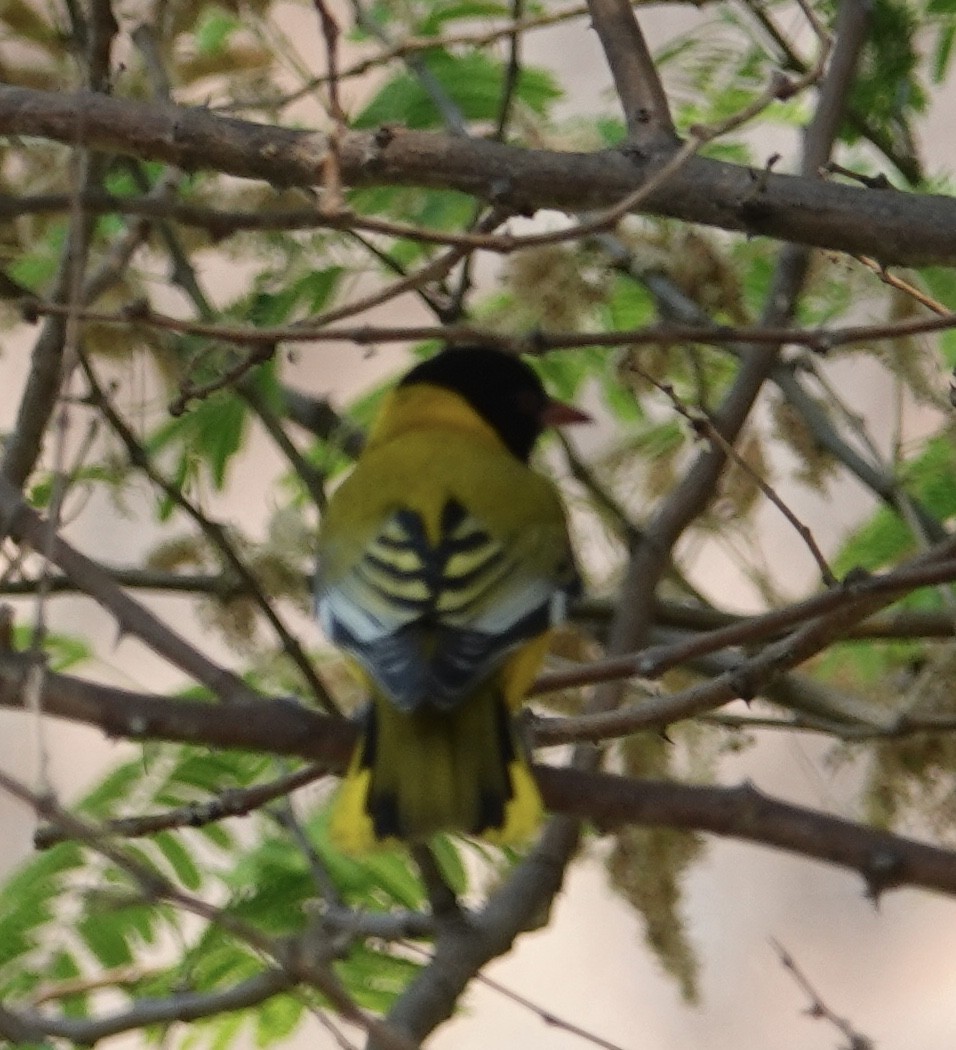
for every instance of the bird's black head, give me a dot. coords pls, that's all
(502, 389)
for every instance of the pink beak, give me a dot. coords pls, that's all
(558, 414)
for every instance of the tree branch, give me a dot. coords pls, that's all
(19, 521)
(696, 488)
(893, 227)
(232, 802)
(885, 860)
(215, 533)
(280, 726)
(638, 86)
(182, 1007)
(317, 330)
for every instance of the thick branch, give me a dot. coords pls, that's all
(281, 727)
(885, 860)
(638, 86)
(893, 227)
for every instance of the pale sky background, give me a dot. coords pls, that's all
(891, 971)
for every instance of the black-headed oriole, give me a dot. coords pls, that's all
(444, 560)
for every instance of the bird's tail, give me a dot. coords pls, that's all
(421, 772)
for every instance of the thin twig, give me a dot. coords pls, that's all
(212, 530)
(704, 427)
(410, 45)
(512, 72)
(234, 802)
(652, 662)
(675, 305)
(546, 1016)
(23, 524)
(188, 392)
(893, 280)
(821, 339)
(818, 1008)
(897, 146)
(330, 34)
(742, 680)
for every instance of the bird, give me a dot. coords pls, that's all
(444, 561)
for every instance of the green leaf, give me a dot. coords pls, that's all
(209, 434)
(659, 439)
(612, 130)
(885, 537)
(270, 885)
(63, 651)
(142, 921)
(227, 1028)
(943, 51)
(41, 491)
(27, 907)
(277, 1018)
(103, 935)
(376, 978)
(858, 666)
(217, 835)
(209, 772)
(37, 267)
(941, 283)
(623, 403)
(887, 85)
(877, 543)
(309, 293)
(220, 422)
(449, 860)
(212, 34)
(116, 786)
(386, 877)
(932, 476)
(565, 371)
(474, 82)
(63, 967)
(457, 10)
(392, 872)
(217, 961)
(180, 859)
(629, 305)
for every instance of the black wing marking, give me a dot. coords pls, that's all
(429, 620)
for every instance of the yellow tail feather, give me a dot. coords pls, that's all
(415, 774)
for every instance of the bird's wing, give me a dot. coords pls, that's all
(429, 617)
